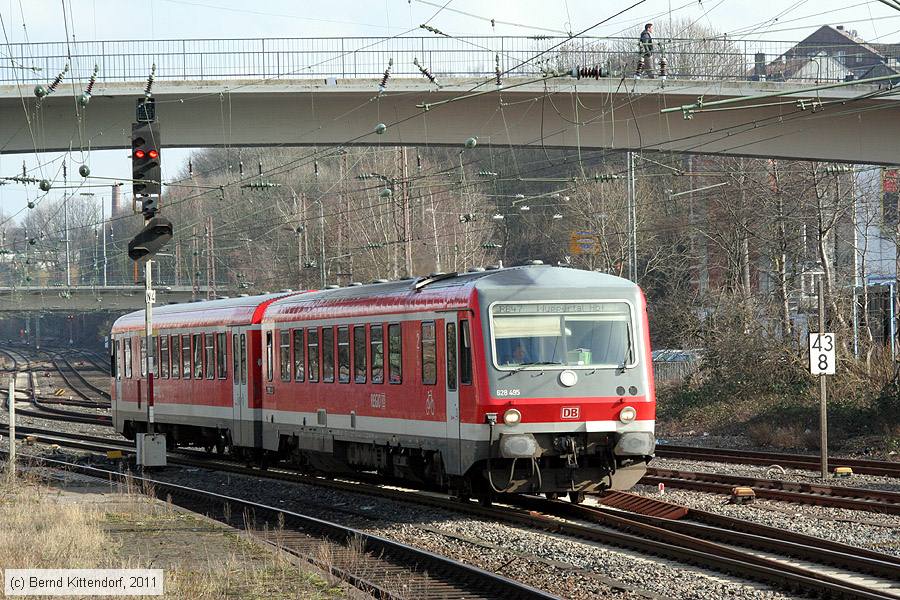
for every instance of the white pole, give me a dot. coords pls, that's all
(632, 219)
(11, 468)
(66, 226)
(148, 333)
(103, 226)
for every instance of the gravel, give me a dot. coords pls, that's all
(872, 531)
(872, 482)
(563, 566)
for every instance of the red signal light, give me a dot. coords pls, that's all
(153, 154)
(139, 154)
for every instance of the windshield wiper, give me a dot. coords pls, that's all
(628, 350)
(537, 363)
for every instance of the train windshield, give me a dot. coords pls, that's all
(562, 335)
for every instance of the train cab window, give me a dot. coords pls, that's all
(395, 354)
(221, 356)
(210, 355)
(376, 347)
(312, 352)
(164, 357)
(175, 350)
(127, 353)
(270, 358)
(299, 347)
(243, 368)
(143, 347)
(198, 356)
(451, 356)
(465, 353)
(344, 354)
(284, 355)
(328, 354)
(429, 354)
(359, 354)
(186, 356)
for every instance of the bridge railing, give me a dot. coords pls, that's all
(360, 57)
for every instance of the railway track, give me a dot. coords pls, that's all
(376, 565)
(783, 559)
(795, 461)
(836, 496)
(41, 404)
(59, 361)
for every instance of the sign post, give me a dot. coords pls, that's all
(822, 363)
(11, 468)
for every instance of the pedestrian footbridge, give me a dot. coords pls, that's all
(504, 91)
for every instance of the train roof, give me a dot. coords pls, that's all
(244, 310)
(445, 291)
(448, 291)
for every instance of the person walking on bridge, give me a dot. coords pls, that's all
(645, 50)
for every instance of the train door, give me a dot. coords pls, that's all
(117, 366)
(240, 433)
(451, 345)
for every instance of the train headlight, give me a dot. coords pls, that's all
(512, 417)
(627, 414)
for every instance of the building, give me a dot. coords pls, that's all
(830, 54)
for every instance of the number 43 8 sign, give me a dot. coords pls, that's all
(821, 353)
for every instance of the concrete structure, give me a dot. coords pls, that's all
(25, 300)
(609, 113)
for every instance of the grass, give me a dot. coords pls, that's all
(43, 528)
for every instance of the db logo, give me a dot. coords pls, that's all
(571, 412)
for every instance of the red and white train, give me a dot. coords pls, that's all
(523, 380)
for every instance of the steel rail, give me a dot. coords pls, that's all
(49, 412)
(427, 575)
(784, 459)
(803, 493)
(85, 382)
(627, 531)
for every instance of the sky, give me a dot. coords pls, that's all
(43, 21)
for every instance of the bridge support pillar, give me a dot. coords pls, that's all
(37, 332)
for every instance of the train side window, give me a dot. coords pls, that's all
(142, 342)
(164, 357)
(235, 359)
(429, 354)
(210, 356)
(359, 353)
(221, 356)
(465, 353)
(395, 354)
(175, 350)
(376, 345)
(186, 356)
(198, 356)
(154, 354)
(243, 358)
(127, 344)
(312, 353)
(114, 358)
(451, 356)
(344, 354)
(299, 355)
(269, 357)
(328, 354)
(284, 355)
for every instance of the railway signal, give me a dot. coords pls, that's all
(151, 239)
(146, 170)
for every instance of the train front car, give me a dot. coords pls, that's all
(570, 403)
